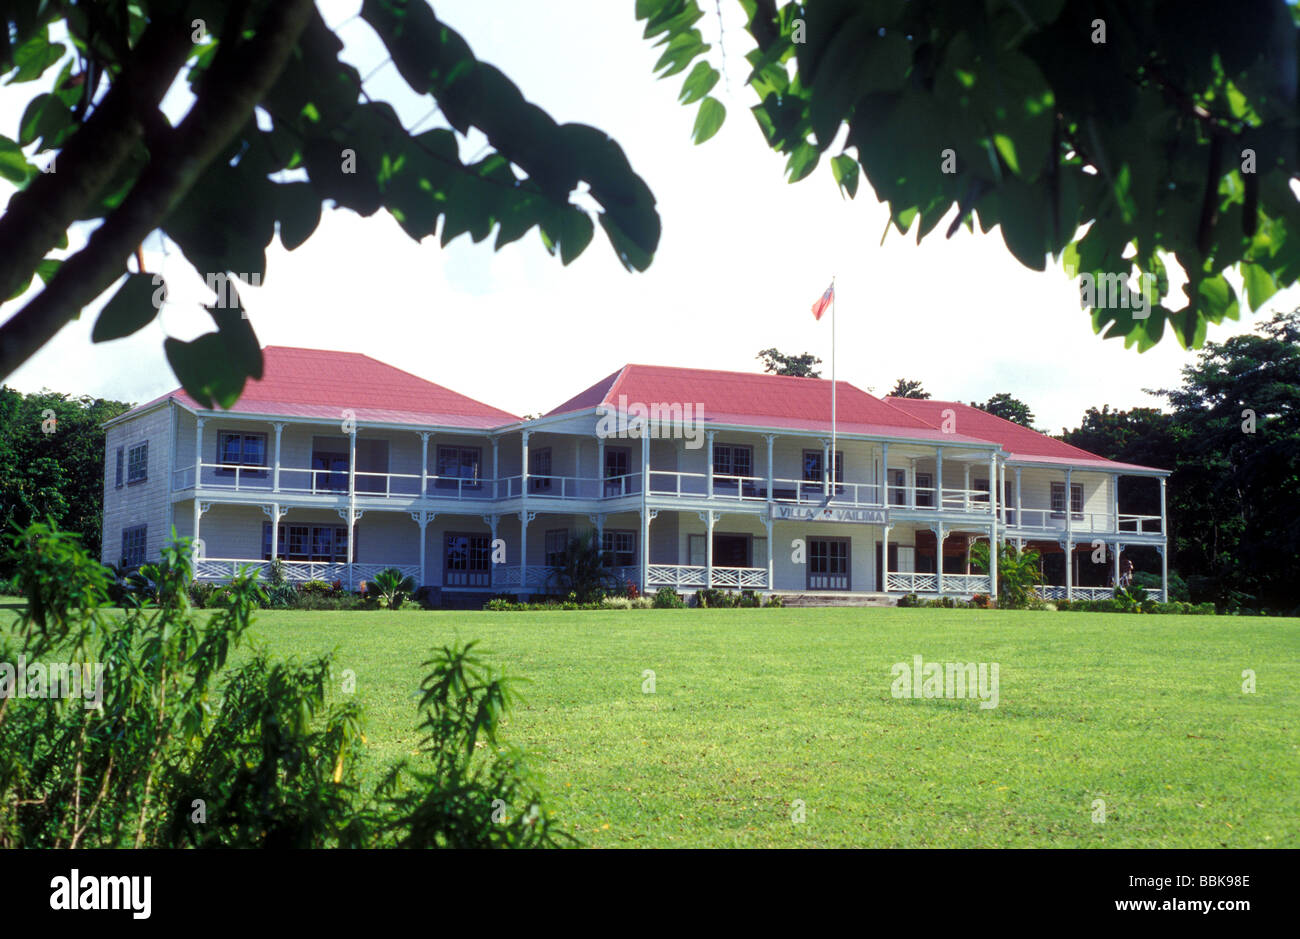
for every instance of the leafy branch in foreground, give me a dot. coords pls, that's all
(1124, 138)
(173, 746)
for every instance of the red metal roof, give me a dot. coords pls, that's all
(1021, 442)
(317, 383)
(758, 400)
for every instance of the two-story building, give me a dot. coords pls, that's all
(338, 466)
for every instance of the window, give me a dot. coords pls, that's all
(898, 487)
(467, 561)
(121, 463)
(137, 463)
(1058, 500)
(539, 465)
(619, 548)
(240, 449)
(557, 545)
(812, 466)
(329, 464)
(828, 564)
(925, 490)
(456, 463)
(616, 465)
(733, 460)
(325, 543)
(133, 545)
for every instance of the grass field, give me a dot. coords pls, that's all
(755, 709)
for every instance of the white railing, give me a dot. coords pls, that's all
(813, 492)
(697, 575)
(539, 576)
(912, 583)
(1080, 522)
(1055, 592)
(966, 583)
(297, 572)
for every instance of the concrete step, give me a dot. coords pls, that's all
(836, 599)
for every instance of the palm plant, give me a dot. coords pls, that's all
(391, 587)
(1017, 572)
(583, 571)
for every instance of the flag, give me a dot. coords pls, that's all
(820, 306)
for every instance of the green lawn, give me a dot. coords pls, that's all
(755, 709)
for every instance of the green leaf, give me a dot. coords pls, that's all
(699, 83)
(845, 169)
(802, 162)
(134, 306)
(214, 367)
(708, 120)
(1259, 284)
(13, 165)
(297, 207)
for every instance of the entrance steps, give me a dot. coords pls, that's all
(836, 599)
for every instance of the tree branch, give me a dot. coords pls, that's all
(39, 216)
(239, 77)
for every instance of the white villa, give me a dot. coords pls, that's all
(339, 466)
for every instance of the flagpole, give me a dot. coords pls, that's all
(831, 470)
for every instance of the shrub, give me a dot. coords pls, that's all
(316, 588)
(631, 591)
(500, 605)
(429, 598)
(775, 600)
(390, 588)
(643, 603)
(283, 596)
(981, 601)
(749, 598)
(616, 603)
(666, 598)
(275, 762)
(712, 597)
(908, 600)
(201, 593)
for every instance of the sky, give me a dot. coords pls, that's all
(742, 258)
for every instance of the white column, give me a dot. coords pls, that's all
(938, 480)
(771, 547)
(424, 471)
(1116, 548)
(275, 530)
(423, 521)
(884, 553)
(708, 548)
(1069, 536)
(523, 543)
(1114, 499)
(600, 467)
(496, 470)
(198, 513)
(993, 558)
(940, 536)
(708, 485)
(646, 515)
(275, 478)
(1163, 529)
(1164, 570)
(994, 499)
(1002, 494)
(1020, 519)
(965, 485)
(911, 483)
(884, 481)
(524, 477)
(771, 439)
(352, 505)
(198, 461)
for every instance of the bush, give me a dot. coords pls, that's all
(616, 603)
(909, 600)
(775, 600)
(282, 597)
(982, 601)
(500, 605)
(202, 593)
(429, 598)
(276, 762)
(666, 598)
(390, 588)
(643, 603)
(713, 598)
(749, 599)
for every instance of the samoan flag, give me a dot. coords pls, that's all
(820, 306)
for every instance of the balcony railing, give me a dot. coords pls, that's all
(812, 492)
(907, 582)
(297, 572)
(1054, 592)
(697, 575)
(1081, 522)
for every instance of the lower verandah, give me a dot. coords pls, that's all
(480, 553)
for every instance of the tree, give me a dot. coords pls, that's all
(906, 388)
(1236, 430)
(1008, 408)
(1170, 136)
(801, 366)
(52, 463)
(214, 184)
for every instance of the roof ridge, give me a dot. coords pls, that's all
(1017, 426)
